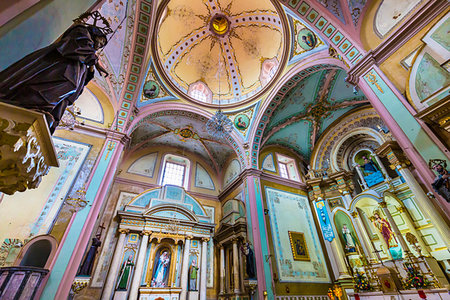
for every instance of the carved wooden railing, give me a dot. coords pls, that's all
(21, 282)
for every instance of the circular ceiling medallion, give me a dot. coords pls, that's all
(221, 49)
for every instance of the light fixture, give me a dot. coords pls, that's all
(219, 126)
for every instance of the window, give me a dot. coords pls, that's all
(175, 170)
(173, 174)
(283, 170)
(287, 167)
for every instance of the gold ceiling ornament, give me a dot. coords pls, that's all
(220, 25)
(78, 201)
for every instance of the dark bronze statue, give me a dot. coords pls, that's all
(50, 79)
(88, 263)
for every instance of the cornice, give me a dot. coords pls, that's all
(147, 186)
(398, 38)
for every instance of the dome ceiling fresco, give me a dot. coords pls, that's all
(309, 108)
(186, 133)
(207, 48)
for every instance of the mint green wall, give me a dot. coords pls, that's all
(38, 27)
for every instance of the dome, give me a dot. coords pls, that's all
(232, 48)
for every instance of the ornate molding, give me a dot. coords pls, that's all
(26, 149)
(123, 231)
(398, 38)
(79, 284)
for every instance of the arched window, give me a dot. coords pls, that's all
(200, 91)
(38, 252)
(175, 170)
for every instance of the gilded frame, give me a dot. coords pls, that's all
(298, 239)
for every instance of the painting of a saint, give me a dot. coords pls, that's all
(241, 121)
(298, 246)
(369, 166)
(161, 269)
(306, 39)
(124, 274)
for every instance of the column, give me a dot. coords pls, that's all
(115, 263)
(361, 177)
(136, 283)
(424, 203)
(347, 197)
(241, 271)
(258, 233)
(383, 169)
(185, 268)
(222, 270)
(236, 266)
(394, 226)
(409, 222)
(339, 257)
(203, 269)
(364, 238)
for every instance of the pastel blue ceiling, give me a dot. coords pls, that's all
(309, 108)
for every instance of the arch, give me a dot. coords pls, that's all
(38, 252)
(108, 106)
(318, 61)
(178, 211)
(369, 197)
(233, 139)
(339, 222)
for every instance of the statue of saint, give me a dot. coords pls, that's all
(350, 244)
(86, 267)
(369, 166)
(124, 274)
(50, 79)
(193, 271)
(441, 183)
(249, 260)
(385, 228)
(161, 270)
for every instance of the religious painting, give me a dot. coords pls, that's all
(161, 267)
(241, 121)
(306, 39)
(151, 89)
(298, 246)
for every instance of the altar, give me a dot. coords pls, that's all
(164, 248)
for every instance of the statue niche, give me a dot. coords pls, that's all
(161, 268)
(50, 79)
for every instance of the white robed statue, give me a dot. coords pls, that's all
(350, 244)
(159, 276)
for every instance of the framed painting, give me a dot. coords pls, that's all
(298, 246)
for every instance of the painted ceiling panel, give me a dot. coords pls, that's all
(334, 6)
(297, 100)
(295, 136)
(185, 132)
(309, 108)
(356, 7)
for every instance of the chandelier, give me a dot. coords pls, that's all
(219, 126)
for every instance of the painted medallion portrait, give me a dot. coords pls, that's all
(306, 39)
(151, 89)
(298, 246)
(241, 121)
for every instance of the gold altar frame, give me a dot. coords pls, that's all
(295, 237)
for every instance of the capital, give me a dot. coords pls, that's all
(146, 232)
(205, 240)
(123, 230)
(383, 204)
(355, 214)
(189, 237)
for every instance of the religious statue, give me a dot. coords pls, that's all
(193, 271)
(350, 244)
(161, 269)
(249, 260)
(385, 228)
(86, 266)
(124, 274)
(50, 79)
(441, 183)
(369, 166)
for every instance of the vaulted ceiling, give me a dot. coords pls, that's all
(183, 131)
(309, 108)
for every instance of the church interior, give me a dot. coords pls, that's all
(224, 149)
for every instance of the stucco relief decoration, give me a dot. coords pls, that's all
(211, 48)
(298, 252)
(356, 7)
